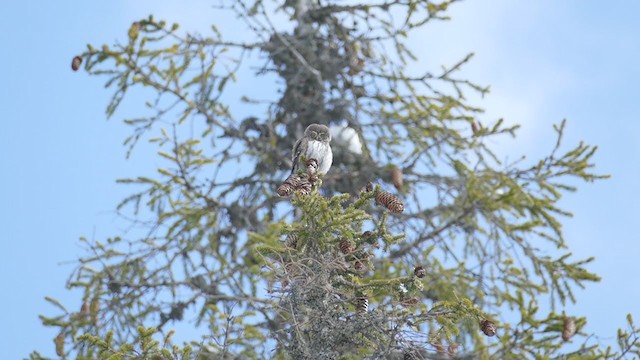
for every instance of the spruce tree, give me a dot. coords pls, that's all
(419, 243)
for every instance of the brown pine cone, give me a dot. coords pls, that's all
(368, 187)
(84, 309)
(359, 265)
(94, 308)
(420, 271)
(59, 341)
(345, 246)
(440, 349)
(289, 185)
(488, 327)
(371, 238)
(134, 30)
(304, 187)
(410, 302)
(390, 201)
(475, 127)
(75, 63)
(312, 166)
(362, 304)
(453, 349)
(356, 65)
(568, 328)
(396, 177)
(367, 234)
(291, 241)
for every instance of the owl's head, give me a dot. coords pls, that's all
(318, 132)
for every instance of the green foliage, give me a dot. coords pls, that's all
(145, 347)
(324, 281)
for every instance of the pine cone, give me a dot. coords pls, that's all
(396, 177)
(75, 63)
(289, 185)
(420, 271)
(409, 302)
(488, 327)
(356, 65)
(84, 309)
(370, 238)
(366, 235)
(475, 127)
(312, 166)
(568, 328)
(134, 31)
(289, 268)
(440, 349)
(289, 272)
(345, 246)
(291, 241)
(59, 341)
(94, 308)
(453, 349)
(390, 201)
(368, 187)
(359, 265)
(304, 187)
(362, 304)
(114, 286)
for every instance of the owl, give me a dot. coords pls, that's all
(314, 145)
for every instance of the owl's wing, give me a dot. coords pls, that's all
(296, 149)
(295, 154)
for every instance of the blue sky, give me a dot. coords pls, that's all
(545, 60)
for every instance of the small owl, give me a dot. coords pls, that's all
(314, 145)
